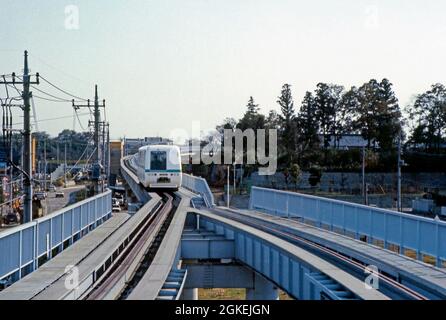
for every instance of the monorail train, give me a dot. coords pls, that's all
(159, 167)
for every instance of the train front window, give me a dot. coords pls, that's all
(158, 160)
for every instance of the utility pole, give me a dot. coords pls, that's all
(227, 200)
(108, 154)
(45, 163)
(96, 125)
(364, 185)
(234, 180)
(241, 177)
(11, 169)
(27, 169)
(65, 166)
(103, 154)
(400, 164)
(97, 158)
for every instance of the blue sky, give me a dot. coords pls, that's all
(163, 64)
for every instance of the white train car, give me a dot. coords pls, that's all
(159, 167)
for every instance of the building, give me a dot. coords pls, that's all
(345, 142)
(131, 145)
(116, 154)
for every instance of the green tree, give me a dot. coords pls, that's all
(252, 119)
(295, 174)
(307, 124)
(388, 116)
(428, 113)
(378, 114)
(327, 100)
(366, 122)
(288, 128)
(315, 175)
(273, 120)
(349, 111)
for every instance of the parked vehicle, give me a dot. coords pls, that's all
(60, 194)
(116, 208)
(41, 195)
(11, 218)
(4, 283)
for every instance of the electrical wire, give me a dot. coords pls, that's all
(78, 120)
(34, 113)
(51, 95)
(51, 100)
(55, 118)
(61, 90)
(80, 158)
(60, 70)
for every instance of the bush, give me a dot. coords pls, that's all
(295, 173)
(315, 175)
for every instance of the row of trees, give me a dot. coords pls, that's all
(330, 111)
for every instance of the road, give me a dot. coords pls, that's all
(53, 204)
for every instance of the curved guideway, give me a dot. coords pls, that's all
(288, 250)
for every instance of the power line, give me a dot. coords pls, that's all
(34, 113)
(61, 90)
(79, 120)
(50, 95)
(61, 71)
(51, 100)
(55, 118)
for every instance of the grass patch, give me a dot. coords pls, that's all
(230, 294)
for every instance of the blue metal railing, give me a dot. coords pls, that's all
(21, 247)
(200, 186)
(425, 237)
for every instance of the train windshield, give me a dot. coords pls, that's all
(158, 160)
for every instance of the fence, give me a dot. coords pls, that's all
(24, 248)
(420, 237)
(198, 185)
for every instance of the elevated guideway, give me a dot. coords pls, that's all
(280, 250)
(156, 279)
(84, 262)
(130, 176)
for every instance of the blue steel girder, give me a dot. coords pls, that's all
(296, 276)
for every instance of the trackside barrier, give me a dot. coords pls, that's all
(24, 248)
(198, 185)
(419, 237)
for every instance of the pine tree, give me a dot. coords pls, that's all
(286, 103)
(388, 116)
(252, 119)
(252, 107)
(348, 113)
(288, 134)
(366, 122)
(378, 116)
(307, 124)
(273, 120)
(327, 101)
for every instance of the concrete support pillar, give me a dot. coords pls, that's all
(190, 294)
(263, 290)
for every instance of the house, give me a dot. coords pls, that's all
(345, 141)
